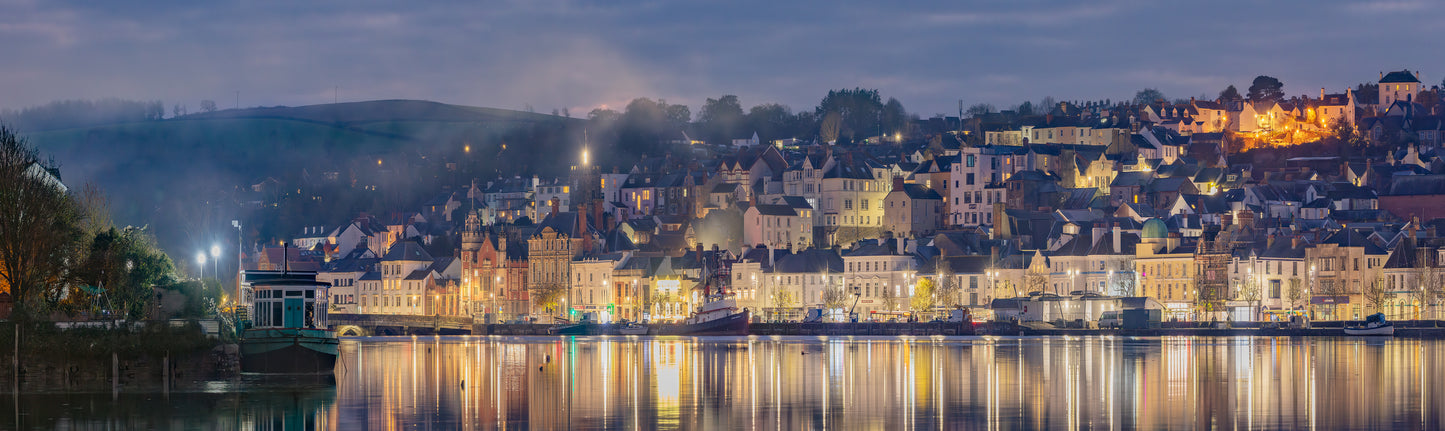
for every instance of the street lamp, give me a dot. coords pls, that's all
(201, 264)
(216, 261)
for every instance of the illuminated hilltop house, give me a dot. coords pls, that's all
(1398, 86)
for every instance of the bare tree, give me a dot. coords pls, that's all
(1296, 291)
(781, 299)
(208, 105)
(1376, 295)
(890, 301)
(829, 129)
(39, 227)
(1426, 291)
(834, 297)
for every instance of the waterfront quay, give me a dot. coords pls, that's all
(1409, 329)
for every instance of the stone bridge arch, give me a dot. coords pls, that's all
(352, 331)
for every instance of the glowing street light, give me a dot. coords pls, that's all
(216, 261)
(201, 264)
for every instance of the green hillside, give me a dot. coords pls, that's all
(188, 177)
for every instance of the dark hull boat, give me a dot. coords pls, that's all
(288, 331)
(288, 351)
(732, 324)
(574, 329)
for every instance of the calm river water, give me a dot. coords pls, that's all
(802, 383)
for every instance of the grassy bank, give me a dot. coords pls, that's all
(84, 355)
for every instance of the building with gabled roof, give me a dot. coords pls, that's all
(912, 210)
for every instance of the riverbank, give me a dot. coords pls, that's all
(1404, 329)
(157, 354)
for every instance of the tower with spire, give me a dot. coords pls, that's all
(586, 182)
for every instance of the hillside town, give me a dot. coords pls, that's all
(1128, 199)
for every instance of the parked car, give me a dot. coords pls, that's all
(1111, 319)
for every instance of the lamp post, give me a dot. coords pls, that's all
(201, 265)
(237, 224)
(216, 262)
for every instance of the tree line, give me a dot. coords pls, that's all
(59, 252)
(842, 115)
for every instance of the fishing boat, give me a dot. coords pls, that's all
(633, 329)
(720, 316)
(572, 329)
(287, 332)
(1375, 324)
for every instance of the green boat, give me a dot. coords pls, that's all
(287, 333)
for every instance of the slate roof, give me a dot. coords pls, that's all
(420, 274)
(776, 210)
(810, 261)
(1352, 238)
(1416, 185)
(919, 192)
(407, 250)
(797, 202)
(875, 248)
(1399, 76)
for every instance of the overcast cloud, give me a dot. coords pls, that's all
(579, 55)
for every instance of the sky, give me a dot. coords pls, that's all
(579, 55)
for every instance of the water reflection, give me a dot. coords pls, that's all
(924, 383)
(834, 382)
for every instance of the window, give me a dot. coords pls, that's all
(970, 160)
(1274, 289)
(968, 179)
(863, 204)
(847, 204)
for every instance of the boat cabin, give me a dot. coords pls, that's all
(286, 299)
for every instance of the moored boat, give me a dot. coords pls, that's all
(633, 329)
(1375, 324)
(572, 329)
(287, 332)
(719, 316)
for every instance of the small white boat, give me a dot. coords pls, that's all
(633, 329)
(1375, 324)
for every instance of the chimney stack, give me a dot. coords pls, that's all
(554, 207)
(1118, 239)
(772, 256)
(1322, 93)
(597, 216)
(1294, 242)
(897, 183)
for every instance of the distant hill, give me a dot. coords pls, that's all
(189, 176)
(357, 113)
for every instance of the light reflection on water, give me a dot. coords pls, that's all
(833, 382)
